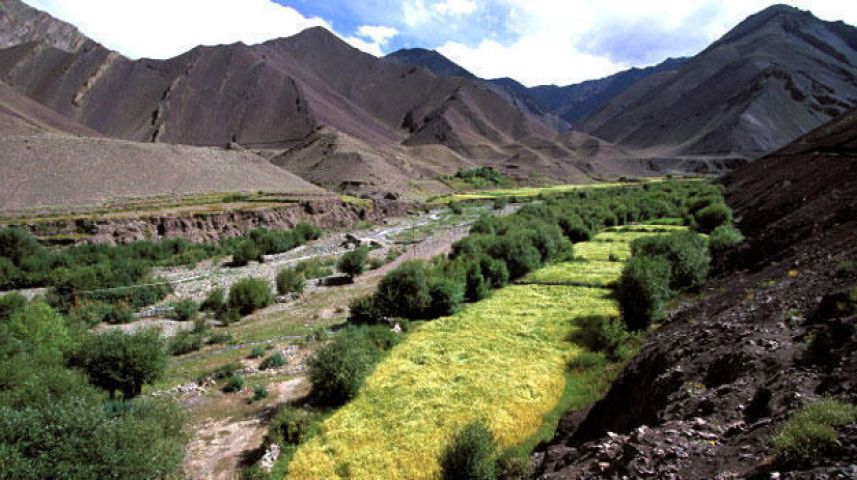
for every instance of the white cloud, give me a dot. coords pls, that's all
(560, 41)
(166, 28)
(378, 34)
(454, 7)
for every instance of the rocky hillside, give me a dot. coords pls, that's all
(774, 331)
(776, 76)
(276, 95)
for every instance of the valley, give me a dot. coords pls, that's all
(285, 241)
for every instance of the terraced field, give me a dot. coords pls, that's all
(503, 360)
(531, 191)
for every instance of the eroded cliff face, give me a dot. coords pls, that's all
(215, 226)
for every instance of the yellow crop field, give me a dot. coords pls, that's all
(502, 359)
(585, 273)
(535, 191)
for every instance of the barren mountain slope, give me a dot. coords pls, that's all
(776, 76)
(717, 381)
(20, 115)
(59, 170)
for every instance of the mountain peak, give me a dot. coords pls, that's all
(20, 23)
(431, 60)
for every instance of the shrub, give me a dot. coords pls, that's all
(574, 228)
(11, 303)
(185, 342)
(276, 360)
(18, 245)
(602, 334)
(315, 268)
(686, 253)
(260, 392)
(495, 272)
(456, 208)
(405, 291)
(500, 203)
(256, 352)
(235, 383)
(353, 263)
(228, 316)
(116, 361)
(476, 288)
(846, 268)
(376, 263)
(446, 296)
(215, 301)
(380, 336)
(291, 426)
(519, 255)
(811, 432)
(365, 311)
(712, 217)
(643, 290)
(306, 232)
(723, 238)
(290, 281)
(249, 294)
(10, 275)
(220, 338)
(338, 370)
(184, 310)
(118, 314)
(470, 455)
(246, 252)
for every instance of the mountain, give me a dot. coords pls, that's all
(431, 60)
(21, 115)
(574, 103)
(561, 106)
(391, 121)
(20, 24)
(773, 78)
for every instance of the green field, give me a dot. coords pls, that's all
(526, 192)
(502, 359)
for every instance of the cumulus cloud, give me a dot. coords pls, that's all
(533, 41)
(166, 28)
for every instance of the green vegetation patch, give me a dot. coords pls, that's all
(594, 274)
(812, 431)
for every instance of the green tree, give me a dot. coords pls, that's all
(250, 294)
(338, 370)
(643, 290)
(116, 361)
(353, 263)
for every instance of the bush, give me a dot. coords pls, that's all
(215, 301)
(315, 268)
(470, 455)
(495, 272)
(712, 217)
(500, 203)
(643, 290)
(247, 251)
(574, 228)
(249, 294)
(291, 426)
(10, 275)
(18, 245)
(353, 263)
(256, 352)
(476, 288)
(365, 311)
(405, 291)
(516, 251)
(456, 208)
(602, 334)
(116, 361)
(290, 281)
(235, 383)
(723, 238)
(185, 342)
(276, 360)
(446, 296)
(228, 316)
(184, 310)
(811, 432)
(260, 392)
(686, 253)
(338, 370)
(306, 232)
(220, 338)
(376, 263)
(11, 303)
(512, 465)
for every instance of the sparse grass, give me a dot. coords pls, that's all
(812, 430)
(503, 359)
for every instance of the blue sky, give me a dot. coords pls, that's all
(533, 41)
